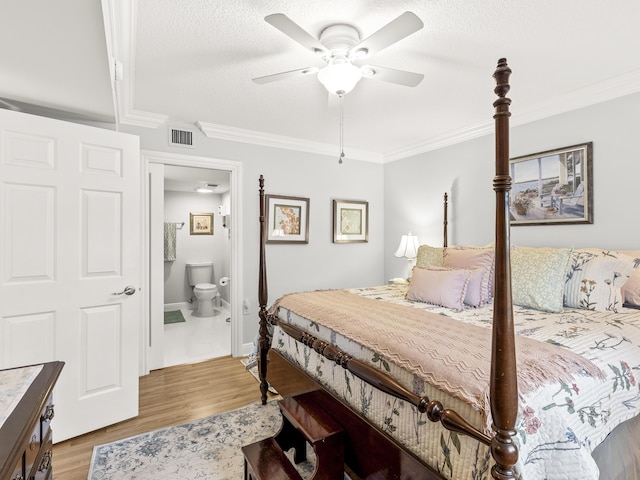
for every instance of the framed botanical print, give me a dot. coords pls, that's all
(350, 221)
(288, 219)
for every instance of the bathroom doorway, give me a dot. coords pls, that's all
(176, 333)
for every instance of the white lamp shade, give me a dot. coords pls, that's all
(408, 247)
(339, 77)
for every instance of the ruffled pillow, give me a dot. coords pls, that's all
(470, 258)
(538, 276)
(595, 279)
(438, 286)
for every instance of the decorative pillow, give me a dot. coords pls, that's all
(429, 256)
(595, 279)
(538, 276)
(470, 258)
(443, 287)
(473, 297)
(631, 288)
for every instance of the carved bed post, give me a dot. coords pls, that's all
(263, 341)
(504, 387)
(446, 197)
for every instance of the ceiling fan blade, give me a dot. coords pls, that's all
(386, 74)
(392, 32)
(294, 31)
(284, 75)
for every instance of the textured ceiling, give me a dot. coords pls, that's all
(193, 61)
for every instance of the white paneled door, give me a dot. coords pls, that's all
(70, 263)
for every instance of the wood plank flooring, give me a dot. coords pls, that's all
(169, 396)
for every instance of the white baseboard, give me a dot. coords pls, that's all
(247, 348)
(176, 306)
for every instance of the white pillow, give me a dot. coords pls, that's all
(595, 279)
(443, 287)
(631, 288)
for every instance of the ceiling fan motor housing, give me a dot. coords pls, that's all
(339, 39)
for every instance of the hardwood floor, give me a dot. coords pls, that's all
(169, 396)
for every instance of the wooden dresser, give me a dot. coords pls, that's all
(25, 434)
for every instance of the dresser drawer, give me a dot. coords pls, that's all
(46, 417)
(32, 448)
(18, 471)
(42, 466)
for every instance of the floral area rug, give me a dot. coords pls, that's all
(207, 449)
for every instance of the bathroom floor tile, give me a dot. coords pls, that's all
(197, 339)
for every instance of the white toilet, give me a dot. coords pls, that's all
(200, 277)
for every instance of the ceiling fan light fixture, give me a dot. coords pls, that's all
(339, 77)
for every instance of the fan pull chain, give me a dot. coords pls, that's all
(341, 95)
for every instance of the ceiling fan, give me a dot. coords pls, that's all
(340, 47)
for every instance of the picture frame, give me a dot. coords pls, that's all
(287, 219)
(201, 223)
(554, 187)
(350, 221)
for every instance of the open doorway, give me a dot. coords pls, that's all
(211, 250)
(197, 254)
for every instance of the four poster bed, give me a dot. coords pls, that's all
(414, 360)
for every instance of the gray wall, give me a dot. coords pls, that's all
(407, 195)
(319, 264)
(414, 186)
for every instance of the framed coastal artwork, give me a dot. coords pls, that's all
(288, 219)
(201, 223)
(554, 187)
(350, 221)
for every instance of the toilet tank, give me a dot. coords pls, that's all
(201, 272)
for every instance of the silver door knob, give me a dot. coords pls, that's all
(128, 290)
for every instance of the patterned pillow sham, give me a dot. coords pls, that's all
(538, 277)
(595, 279)
(470, 258)
(631, 288)
(442, 287)
(429, 256)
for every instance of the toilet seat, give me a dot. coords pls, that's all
(204, 287)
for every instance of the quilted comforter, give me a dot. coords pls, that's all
(559, 423)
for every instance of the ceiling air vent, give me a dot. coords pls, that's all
(180, 138)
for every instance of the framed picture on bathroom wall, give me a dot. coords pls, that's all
(288, 219)
(201, 223)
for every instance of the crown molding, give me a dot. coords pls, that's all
(233, 134)
(440, 141)
(597, 93)
(120, 20)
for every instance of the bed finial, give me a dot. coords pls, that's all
(503, 382)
